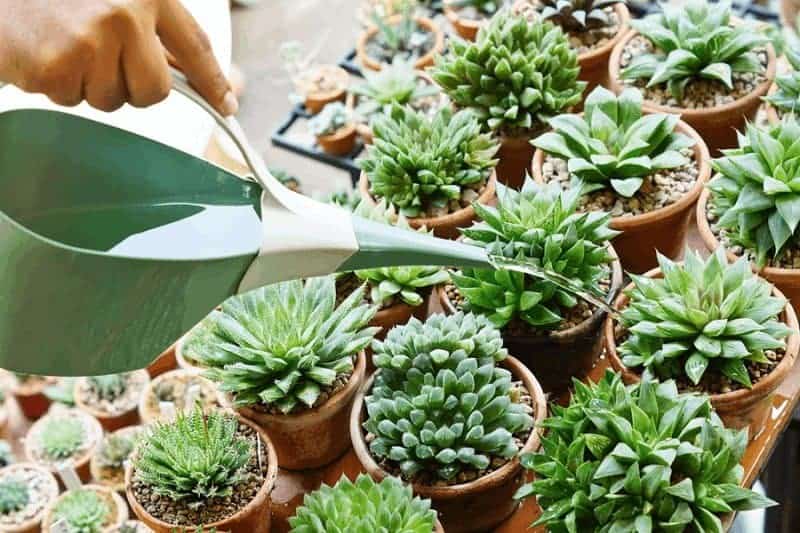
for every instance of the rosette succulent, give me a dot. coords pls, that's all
(83, 511)
(756, 193)
(282, 344)
(441, 404)
(115, 449)
(363, 507)
(332, 118)
(576, 15)
(701, 314)
(418, 163)
(14, 496)
(61, 437)
(787, 97)
(638, 458)
(694, 40)
(398, 83)
(612, 144)
(108, 387)
(515, 76)
(538, 224)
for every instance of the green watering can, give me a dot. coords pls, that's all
(113, 245)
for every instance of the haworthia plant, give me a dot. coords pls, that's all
(787, 96)
(82, 511)
(398, 83)
(577, 15)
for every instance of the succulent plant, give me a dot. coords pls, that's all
(575, 15)
(416, 163)
(397, 83)
(756, 193)
(694, 40)
(516, 76)
(787, 97)
(62, 391)
(288, 180)
(115, 449)
(283, 344)
(638, 458)
(6, 455)
(612, 144)
(486, 8)
(332, 118)
(701, 314)
(344, 198)
(109, 387)
(61, 436)
(440, 403)
(538, 224)
(14, 496)
(363, 506)
(83, 511)
(197, 457)
(403, 38)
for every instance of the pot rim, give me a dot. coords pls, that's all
(340, 134)
(597, 54)
(121, 510)
(263, 492)
(320, 96)
(453, 17)
(148, 415)
(494, 479)
(761, 389)
(96, 431)
(30, 523)
(421, 62)
(81, 403)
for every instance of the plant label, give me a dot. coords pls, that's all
(66, 471)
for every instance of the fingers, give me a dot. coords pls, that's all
(146, 70)
(188, 43)
(104, 86)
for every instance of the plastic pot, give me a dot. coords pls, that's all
(421, 63)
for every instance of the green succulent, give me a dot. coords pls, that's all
(62, 391)
(14, 496)
(109, 387)
(516, 76)
(440, 403)
(83, 511)
(288, 180)
(6, 455)
(487, 8)
(756, 193)
(363, 507)
(701, 314)
(115, 449)
(694, 40)
(787, 97)
(397, 39)
(397, 83)
(283, 344)
(638, 458)
(416, 162)
(197, 457)
(538, 224)
(577, 15)
(332, 118)
(61, 436)
(344, 198)
(612, 144)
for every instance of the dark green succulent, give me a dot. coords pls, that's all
(14, 496)
(577, 15)
(83, 511)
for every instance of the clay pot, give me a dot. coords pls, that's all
(116, 483)
(514, 160)
(785, 279)
(663, 230)
(716, 125)
(182, 360)
(478, 505)
(316, 100)
(421, 63)
(109, 421)
(254, 517)
(315, 437)
(31, 398)
(445, 226)
(149, 408)
(594, 63)
(340, 143)
(466, 28)
(33, 524)
(558, 357)
(163, 363)
(119, 509)
(743, 408)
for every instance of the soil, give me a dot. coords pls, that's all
(580, 41)
(420, 43)
(182, 513)
(135, 385)
(325, 393)
(41, 491)
(92, 435)
(699, 93)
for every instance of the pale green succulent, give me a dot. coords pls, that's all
(61, 436)
(115, 449)
(332, 118)
(14, 496)
(83, 511)
(397, 83)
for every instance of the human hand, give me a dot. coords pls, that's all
(107, 52)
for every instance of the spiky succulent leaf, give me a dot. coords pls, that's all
(515, 76)
(83, 511)
(196, 457)
(332, 118)
(575, 15)
(61, 436)
(364, 507)
(283, 344)
(416, 162)
(440, 402)
(398, 83)
(540, 225)
(612, 144)
(638, 458)
(14, 496)
(109, 387)
(756, 193)
(701, 314)
(694, 40)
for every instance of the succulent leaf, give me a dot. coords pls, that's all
(397, 83)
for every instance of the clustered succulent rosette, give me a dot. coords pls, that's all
(417, 163)
(516, 76)
(14, 496)
(283, 344)
(441, 404)
(612, 144)
(363, 506)
(786, 99)
(398, 83)
(540, 225)
(638, 458)
(694, 40)
(701, 314)
(756, 193)
(82, 511)
(576, 15)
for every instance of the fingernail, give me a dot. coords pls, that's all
(230, 105)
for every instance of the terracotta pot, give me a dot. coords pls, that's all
(788, 13)
(479, 505)
(514, 160)
(663, 230)
(716, 125)
(315, 437)
(556, 358)
(445, 226)
(594, 63)
(340, 143)
(33, 524)
(163, 363)
(149, 409)
(120, 510)
(421, 63)
(743, 408)
(466, 28)
(31, 399)
(111, 422)
(315, 101)
(785, 279)
(97, 471)
(254, 517)
(80, 463)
